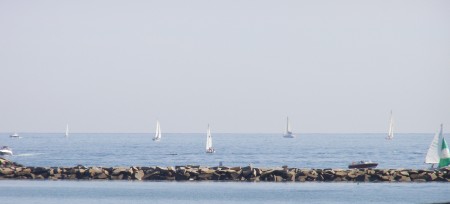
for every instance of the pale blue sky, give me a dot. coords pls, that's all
(242, 66)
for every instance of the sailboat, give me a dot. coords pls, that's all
(67, 131)
(390, 135)
(288, 133)
(157, 137)
(209, 147)
(438, 152)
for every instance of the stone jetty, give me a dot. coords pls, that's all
(11, 170)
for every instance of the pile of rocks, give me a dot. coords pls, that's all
(197, 173)
(7, 163)
(373, 175)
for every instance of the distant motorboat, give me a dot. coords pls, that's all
(390, 135)
(14, 135)
(157, 137)
(362, 164)
(288, 132)
(209, 146)
(5, 150)
(438, 152)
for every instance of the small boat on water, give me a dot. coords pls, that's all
(288, 132)
(14, 135)
(438, 152)
(5, 150)
(390, 135)
(157, 137)
(209, 147)
(362, 164)
(67, 131)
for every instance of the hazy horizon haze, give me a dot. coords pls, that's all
(241, 66)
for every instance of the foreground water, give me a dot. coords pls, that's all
(68, 192)
(263, 150)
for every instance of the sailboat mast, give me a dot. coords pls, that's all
(391, 127)
(158, 130)
(287, 125)
(208, 139)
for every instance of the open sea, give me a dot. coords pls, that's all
(260, 150)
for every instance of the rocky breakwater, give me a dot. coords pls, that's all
(197, 173)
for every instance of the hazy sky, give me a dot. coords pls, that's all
(242, 66)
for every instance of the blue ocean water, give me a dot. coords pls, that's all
(263, 150)
(260, 150)
(75, 192)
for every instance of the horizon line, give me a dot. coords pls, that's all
(28, 132)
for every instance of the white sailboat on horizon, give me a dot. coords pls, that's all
(67, 131)
(288, 132)
(157, 137)
(438, 152)
(390, 135)
(209, 146)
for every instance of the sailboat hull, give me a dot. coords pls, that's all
(289, 136)
(6, 152)
(14, 135)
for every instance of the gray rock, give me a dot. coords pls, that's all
(206, 171)
(301, 178)
(278, 178)
(405, 179)
(341, 173)
(291, 176)
(94, 171)
(119, 170)
(404, 173)
(6, 171)
(205, 176)
(138, 175)
(101, 176)
(432, 176)
(39, 170)
(117, 177)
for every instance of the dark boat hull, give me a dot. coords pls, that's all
(362, 166)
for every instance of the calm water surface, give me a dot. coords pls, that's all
(76, 192)
(265, 150)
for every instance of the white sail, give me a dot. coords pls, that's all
(288, 131)
(157, 132)
(67, 130)
(288, 127)
(209, 146)
(390, 135)
(433, 151)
